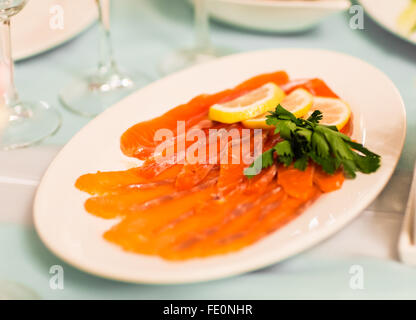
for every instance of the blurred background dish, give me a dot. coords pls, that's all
(275, 15)
(35, 29)
(202, 49)
(387, 14)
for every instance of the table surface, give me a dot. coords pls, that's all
(144, 31)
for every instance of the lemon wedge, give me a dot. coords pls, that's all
(298, 102)
(407, 20)
(335, 111)
(248, 106)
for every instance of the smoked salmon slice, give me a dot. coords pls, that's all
(135, 231)
(138, 141)
(176, 209)
(298, 184)
(102, 182)
(327, 182)
(118, 203)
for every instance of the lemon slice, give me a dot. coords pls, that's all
(407, 20)
(298, 102)
(335, 111)
(248, 106)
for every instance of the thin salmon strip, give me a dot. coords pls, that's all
(251, 218)
(263, 179)
(135, 231)
(192, 174)
(231, 175)
(326, 182)
(169, 173)
(235, 241)
(102, 182)
(155, 166)
(274, 217)
(138, 141)
(316, 87)
(279, 78)
(232, 170)
(118, 204)
(210, 219)
(298, 184)
(111, 181)
(234, 224)
(204, 222)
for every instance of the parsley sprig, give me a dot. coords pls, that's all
(306, 139)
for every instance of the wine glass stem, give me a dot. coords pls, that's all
(107, 61)
(203, 40)
(10, 95)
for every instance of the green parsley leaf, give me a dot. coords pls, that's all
(264, 161)
(307, 140)
(284, 151)
(319, 144)
(315, 117)
(301, 163)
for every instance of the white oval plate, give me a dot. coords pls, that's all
(275, 15)
(386, 13)
(76, 236)
(31, 29)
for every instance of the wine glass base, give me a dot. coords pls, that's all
(185, 58)
(97, 91)
(29, 123)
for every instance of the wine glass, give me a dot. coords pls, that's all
(24, 122)
(105, 85)
(202, 51)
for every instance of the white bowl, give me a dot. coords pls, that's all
(386, 14)
(275, 15)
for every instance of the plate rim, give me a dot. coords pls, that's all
(314, 238)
